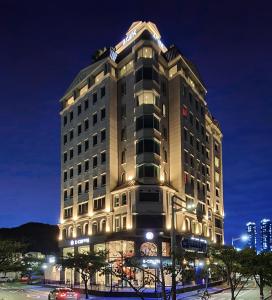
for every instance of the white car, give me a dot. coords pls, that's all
(63, 294)
(4, 279)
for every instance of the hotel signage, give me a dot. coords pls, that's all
(129, 37)
(79, 241)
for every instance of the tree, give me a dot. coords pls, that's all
(231, 265)
(10, 256)
(31, 265)
(86, 264)
(260, 267)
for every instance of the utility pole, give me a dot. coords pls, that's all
(175, 207)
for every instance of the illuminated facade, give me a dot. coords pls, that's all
(135, 131)
(266, 235)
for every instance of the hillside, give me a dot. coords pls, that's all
(38, 236)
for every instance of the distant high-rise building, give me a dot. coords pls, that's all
(252, 235)
(266, 235)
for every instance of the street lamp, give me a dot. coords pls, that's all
(243, 238)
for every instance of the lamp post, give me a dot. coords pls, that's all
(243, 238)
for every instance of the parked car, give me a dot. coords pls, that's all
(5, 279)
(63, 294)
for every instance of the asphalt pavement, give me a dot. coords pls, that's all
(25, 292)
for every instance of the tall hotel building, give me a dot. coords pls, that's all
(135, 131)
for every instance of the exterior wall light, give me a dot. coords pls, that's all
(149, 235)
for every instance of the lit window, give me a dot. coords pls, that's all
(70, 100)
(216, 161)
(83, 90)
(173, 71)
(147, 97)
(126, 68)
(145, 52)
(99, 77)
(217, 177)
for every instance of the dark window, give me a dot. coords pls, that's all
(86, 124)
(94, 139)
(147, 170)
(86, 165)
(79, 149)
(147, 145)
(191, 140)
(71, 192)
(86, 145)
(71, 133)
(94, 98)
(83, 209)
(123, 134)
(65, 195)
(95, 183)
(185, 132)
(86, 187)
(146, 73)
(191, 118)
(86, 104)
(79, 129)
(99, 204)
(147, 121)
(149, 197)
(218, 223)
(103, 157)
(79, 110)
(79, 189)
(163, 88)
(103, 92)
(79, 169)
(71, 153)
(123, 89)
(65, 139)
(64, 120)
(164, 132)
(71, 173)
(103, 179)
(165, 155)
(94, 161)
(124, 199)
(94, 119)
(71, 116)
(190, 98)
(150, 221)
(123, 157)
(123, 110)
(65, 175)
(102, 113)
(103, 135)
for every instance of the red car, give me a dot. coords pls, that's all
(63, 294)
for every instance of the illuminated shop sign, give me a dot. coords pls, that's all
(160, 43)
(113, 54)
(79, 241)
(129, 37)
(151, 261)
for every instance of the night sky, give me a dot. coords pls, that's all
(43, 44)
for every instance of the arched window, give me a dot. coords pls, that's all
(148, 249)
(193, 227)
(79, 231)
(94, 228)
(86, 229)
(64, 233)
(187, 225)
(205, 230)
(70, 231)
(103, 225)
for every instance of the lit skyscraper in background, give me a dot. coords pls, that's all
(266, 235)
(252, 235)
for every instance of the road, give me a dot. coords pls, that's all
(247, 294)
(19, 292)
